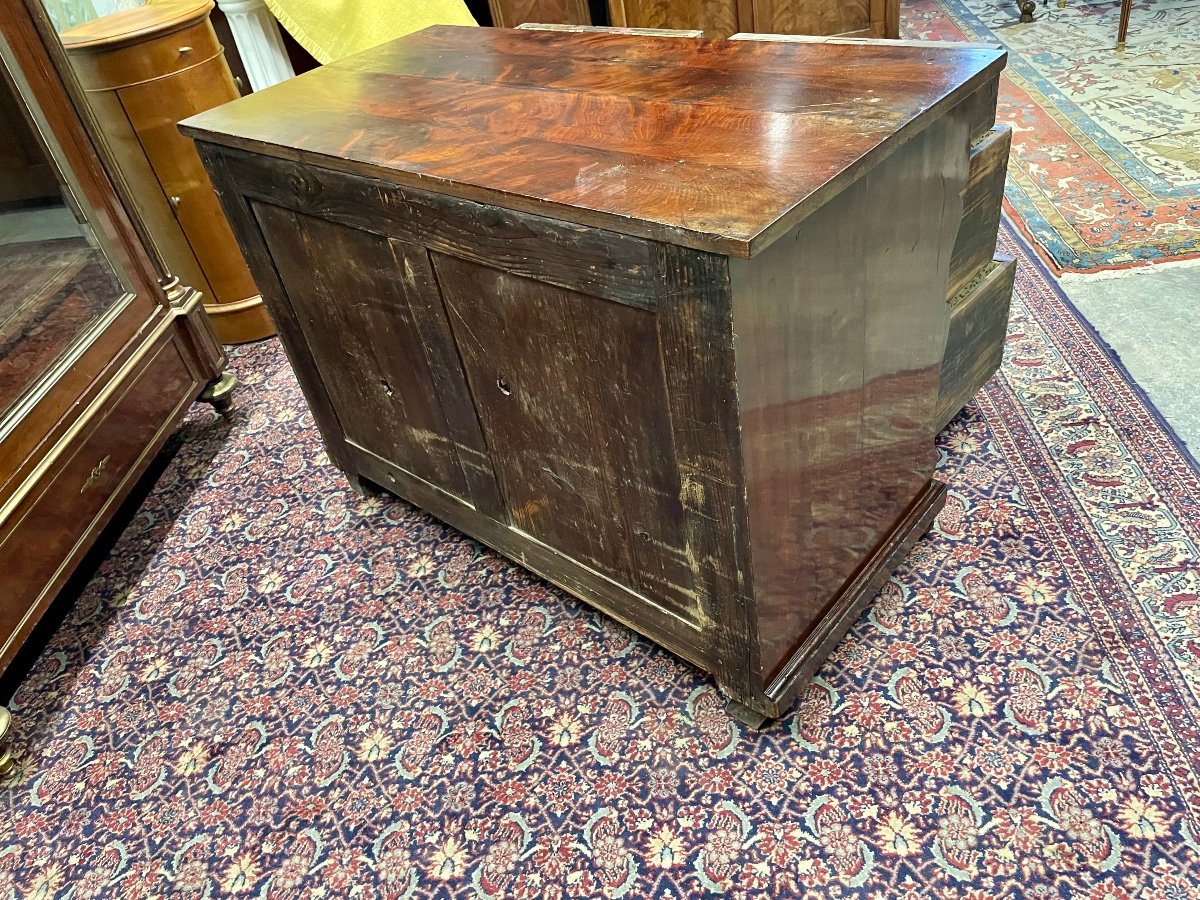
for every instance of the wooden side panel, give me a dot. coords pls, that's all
(571, 396)
(812, 16)
(975, 344)
(353, 308)
(841, 326)
(982, 197)
(716, 18)
(511, 13)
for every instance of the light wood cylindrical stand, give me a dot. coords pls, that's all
(144, 70)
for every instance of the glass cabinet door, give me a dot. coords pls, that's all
(56, 281)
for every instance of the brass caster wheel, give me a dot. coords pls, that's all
(219, 392)
(7, 764)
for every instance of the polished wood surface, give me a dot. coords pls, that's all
(144, 70)
(74, 445)
(982, 200)
(838, 357)
(865, 17)
(715, 145)
(726, 451)
(977, 292)
(715, 18)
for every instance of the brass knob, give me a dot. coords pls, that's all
(175, 201)
(185, 50)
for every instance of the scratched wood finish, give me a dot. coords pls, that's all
(715, 145)
(982, 198)
(575, 395)
(975, 344)
(558, 379)
(357, 320)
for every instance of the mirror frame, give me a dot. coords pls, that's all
(37, 66)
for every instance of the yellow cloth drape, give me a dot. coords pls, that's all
(331, 29)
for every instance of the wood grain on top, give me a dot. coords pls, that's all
(716, 145)
(130, 25)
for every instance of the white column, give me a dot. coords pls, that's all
(256, 34)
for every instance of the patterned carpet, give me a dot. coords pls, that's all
(274, 689)
(1105, 168)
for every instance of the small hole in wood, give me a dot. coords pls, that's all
(501, 383)
(387, 388)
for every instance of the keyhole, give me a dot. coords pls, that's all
(387, 388)
(502, 383)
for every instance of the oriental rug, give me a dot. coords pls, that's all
(1105, 164)
(272, 688)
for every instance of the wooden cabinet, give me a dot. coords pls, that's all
(848, 18)
(144, 69)
(717, 18)
(680, 358)
(101, 351)
(511, 13)
(980, 282)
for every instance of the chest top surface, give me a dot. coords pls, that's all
(716, 145)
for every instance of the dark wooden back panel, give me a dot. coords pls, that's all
(608, 328)
(351, 297)
(548, 368)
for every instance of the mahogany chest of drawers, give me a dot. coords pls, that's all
(661, 319)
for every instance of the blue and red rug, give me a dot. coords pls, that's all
(273, 689)
(1105, 164)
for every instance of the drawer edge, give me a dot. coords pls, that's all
(43, 479)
